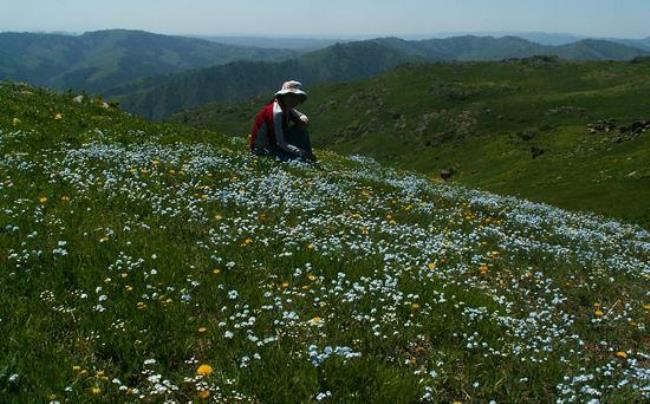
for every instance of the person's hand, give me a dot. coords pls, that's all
(303, 122)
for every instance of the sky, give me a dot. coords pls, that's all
(335, 18)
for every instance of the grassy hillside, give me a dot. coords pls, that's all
(98, 61)
(157, 262)
(158, 98)
(517, 127)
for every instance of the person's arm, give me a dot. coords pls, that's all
(303, 122)
(279, 133)
(301, 117)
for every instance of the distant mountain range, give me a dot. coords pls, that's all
(306, 44)
(97, 61)
(157, 98)
(293, 43)
(155, 75)
(542, 38)
(490, 48)
(638, 43)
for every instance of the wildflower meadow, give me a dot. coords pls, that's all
(158, 263)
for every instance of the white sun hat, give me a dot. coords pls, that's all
(292, 87)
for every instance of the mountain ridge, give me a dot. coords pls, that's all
(157, 99)
(98, 60)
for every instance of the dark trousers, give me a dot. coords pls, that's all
(294, 136)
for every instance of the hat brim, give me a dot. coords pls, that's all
(299, 93)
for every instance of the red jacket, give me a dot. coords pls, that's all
(263, 135)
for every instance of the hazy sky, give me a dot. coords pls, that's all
(619, 18)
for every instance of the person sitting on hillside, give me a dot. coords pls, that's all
(280, 129)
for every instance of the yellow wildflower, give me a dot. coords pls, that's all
(621, 354)
(415, 306)
(203, 394)
(58, 116)
(218, 217)
(65, 198)
(204, 370)
(432, 265)
(42, 199)
(599, 313)
(216, 271)
(16, 122)
(96, 390)
(202, 330)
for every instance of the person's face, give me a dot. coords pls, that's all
(291, 100)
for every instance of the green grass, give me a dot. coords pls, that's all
(131, 253)
(476, 113)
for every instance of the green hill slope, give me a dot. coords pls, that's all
(154, 262)
(98, 61)
(517, 127)
(159, 97)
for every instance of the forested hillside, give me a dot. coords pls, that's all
(98, 61)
